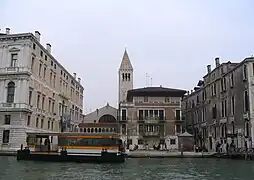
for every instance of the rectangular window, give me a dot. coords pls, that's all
(214, 111)
(225, 108)
(140, 114)
(53, 107)
(145, 99)
(46, 57)
(7, 119)
(14, 59)
(30, 96)
(214, 88)
(49, 107)
(178, 114)
(50, 78)
(54, 80)
(44, 72)
(34, 46)
(37, 122)
(178, 128)
(124, 114)
(32, 64)
(52, 125)
(28, 120)
(232, 82)
(6, 136)
(40, 66)
(49, 124)
(246, 101)
(167, 99)
(172, 141)
(161, 114)
(146, 114)
(233, 105)
(38, 100)
(41, 53)
(42, 123)
(150, 113)
(222, 109)
(203, 114)
(245, 72)
(42, 102)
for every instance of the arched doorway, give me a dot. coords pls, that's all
(107, 118)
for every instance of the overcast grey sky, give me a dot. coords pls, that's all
(171, 40)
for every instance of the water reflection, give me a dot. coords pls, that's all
(135, 169)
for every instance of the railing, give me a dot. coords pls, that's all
(64, 94)
(16, 105)
(14, 69)
(151, 119)
(151, 133)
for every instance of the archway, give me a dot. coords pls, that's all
(107, 118)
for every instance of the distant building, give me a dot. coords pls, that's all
(220, 109)
(101, 120)
(38, 93)
(147, 115)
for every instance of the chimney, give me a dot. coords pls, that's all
(37, 35)
(7, 30)
(79, 79)
(217, 61)
(191, 91)
(48, 47)
(208, 68)
(74, 75)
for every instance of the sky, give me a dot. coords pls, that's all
(171, 40)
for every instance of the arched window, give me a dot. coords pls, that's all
(10, 92)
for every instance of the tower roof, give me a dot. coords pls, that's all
(126, 63)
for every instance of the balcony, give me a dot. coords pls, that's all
(15, 70)
(151, 120)
(151, 133)
(15, 107)
(64, 94)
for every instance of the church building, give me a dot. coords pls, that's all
(146, 117)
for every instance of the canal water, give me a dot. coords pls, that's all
(133, 169)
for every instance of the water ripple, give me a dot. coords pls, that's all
(133, 169)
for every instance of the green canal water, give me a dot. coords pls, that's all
(133, 169)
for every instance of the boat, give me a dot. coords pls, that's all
(73, 147)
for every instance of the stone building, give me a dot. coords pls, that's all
(37, 92)
(147, 115)
(220, 108)
(101, 120)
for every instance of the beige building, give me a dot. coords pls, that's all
(37, 92)
(148, 116)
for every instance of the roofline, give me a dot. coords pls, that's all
(248, 59)
(42, 47)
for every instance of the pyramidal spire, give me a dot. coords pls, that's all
(126, 63)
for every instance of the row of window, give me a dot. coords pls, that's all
(88, 142)
(97, 130)
(62, 73)
(166, 100)
(222, 130)
(149, 114)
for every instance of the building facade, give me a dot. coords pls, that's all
(220, 109)
(37, 92)
(149, 116)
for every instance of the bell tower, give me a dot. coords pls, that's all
(125, 76)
